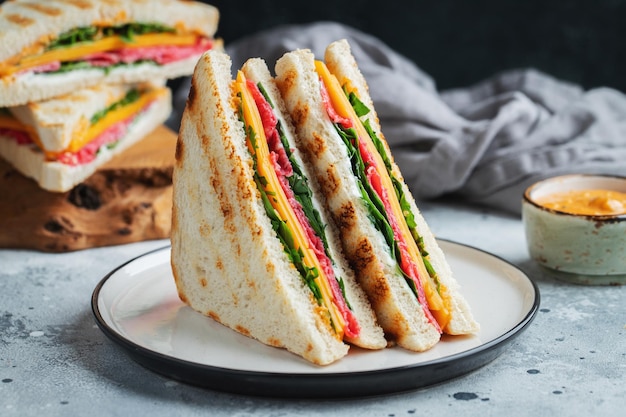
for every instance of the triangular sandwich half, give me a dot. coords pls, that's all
(248, 245)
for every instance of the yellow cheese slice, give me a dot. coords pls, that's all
(113, 117)
(78, 51)
(279, 200)
(437, 303)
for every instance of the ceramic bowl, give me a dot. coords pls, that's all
(582, 249)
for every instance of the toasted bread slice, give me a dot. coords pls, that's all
(343, 65)
(227, 261)
(371, 335)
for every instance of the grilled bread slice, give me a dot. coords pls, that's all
(228, 260)
(371, 335)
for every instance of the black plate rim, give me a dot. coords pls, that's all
(323, 385)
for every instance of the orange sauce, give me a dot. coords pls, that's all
(586, 202)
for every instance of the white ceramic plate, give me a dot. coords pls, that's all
(137, 306)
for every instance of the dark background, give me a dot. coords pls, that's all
(462, 42)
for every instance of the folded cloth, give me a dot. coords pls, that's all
(487, 142)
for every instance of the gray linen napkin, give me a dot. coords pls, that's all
(487, 142)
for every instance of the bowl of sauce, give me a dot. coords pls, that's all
(575, 227)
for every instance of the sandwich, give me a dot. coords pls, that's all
(384, 236)
(55, 47)
(61, 141)
(252, 246)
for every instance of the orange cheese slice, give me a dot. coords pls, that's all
(279, 201)
(78, 51)
(438, 302)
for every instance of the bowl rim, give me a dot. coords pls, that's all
(594, 217)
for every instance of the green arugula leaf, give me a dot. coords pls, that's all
(373, 203)
(299, 183)
(281, 228)
(358, 106)
(361, 110)
(91, 33)
(130, 97)
(74, 36)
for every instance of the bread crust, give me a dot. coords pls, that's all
(226, 259)
(58, 177)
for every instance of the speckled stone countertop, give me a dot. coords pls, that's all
(55, 361)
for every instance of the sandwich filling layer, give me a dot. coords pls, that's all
(288, 202)
(105, 128)
(384, 196)
(107, 47)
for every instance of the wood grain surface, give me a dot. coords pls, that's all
(127, 200)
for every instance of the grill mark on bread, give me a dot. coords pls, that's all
(218, 185)
(346, 217)
(300, 113)
(227, 210)
(81, 4)
(362, 255)
(269, 265)
(193, 95)
(287, 82)
(316, 147)
(242, 330)
(213, 315)
(178, 153)
(41, 8)
(20, 20)
(272, 341)
(203, 282)
(332, 182)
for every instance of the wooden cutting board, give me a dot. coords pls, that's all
(127, 200)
